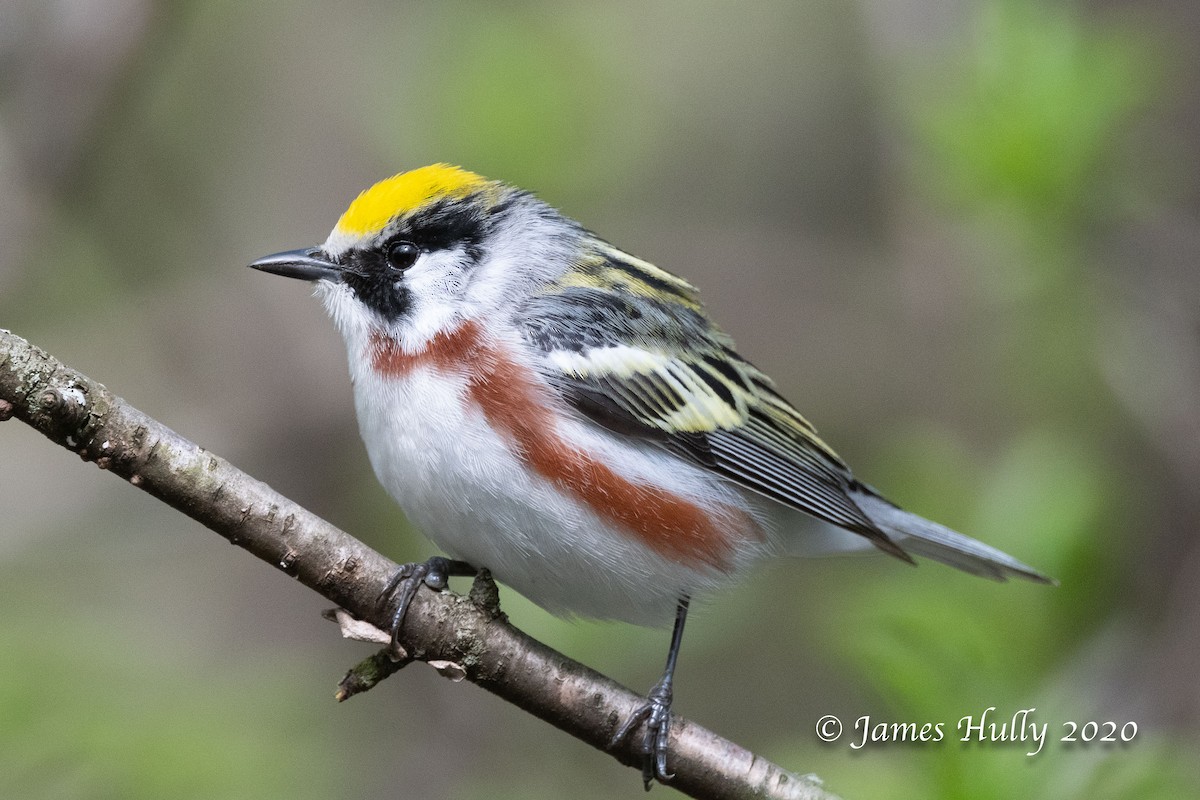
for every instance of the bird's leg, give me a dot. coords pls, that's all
(657, 712)
(402, 586)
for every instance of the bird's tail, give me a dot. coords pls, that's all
(922, 537)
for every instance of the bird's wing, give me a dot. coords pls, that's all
(643, 360)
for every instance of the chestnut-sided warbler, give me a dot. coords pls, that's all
(566, 415)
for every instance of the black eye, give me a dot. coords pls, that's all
(402, 255)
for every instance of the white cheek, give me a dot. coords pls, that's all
(437, 289)
(453, 283)
(438, 276)
(432, 286)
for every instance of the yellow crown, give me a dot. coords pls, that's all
(374, 208)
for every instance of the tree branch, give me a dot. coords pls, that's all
(466, 636)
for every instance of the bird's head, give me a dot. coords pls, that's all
(421, 250)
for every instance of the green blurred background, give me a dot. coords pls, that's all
(962, 236)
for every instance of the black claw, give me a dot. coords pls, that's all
(656, 713)
(402, 587)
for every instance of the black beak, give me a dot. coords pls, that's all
(310, 264)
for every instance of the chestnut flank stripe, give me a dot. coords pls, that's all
(512, 402)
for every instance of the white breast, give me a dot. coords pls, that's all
(462, 485)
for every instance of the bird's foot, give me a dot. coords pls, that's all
(656, 714)
(402, 587)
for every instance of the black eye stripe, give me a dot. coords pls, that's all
(447, 224)
(389, 298)
(376, 282)
(377, 273)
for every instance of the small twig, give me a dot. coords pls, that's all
(462, 637)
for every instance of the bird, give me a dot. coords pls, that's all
(547, 406)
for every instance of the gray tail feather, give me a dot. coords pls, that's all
(922, 537)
